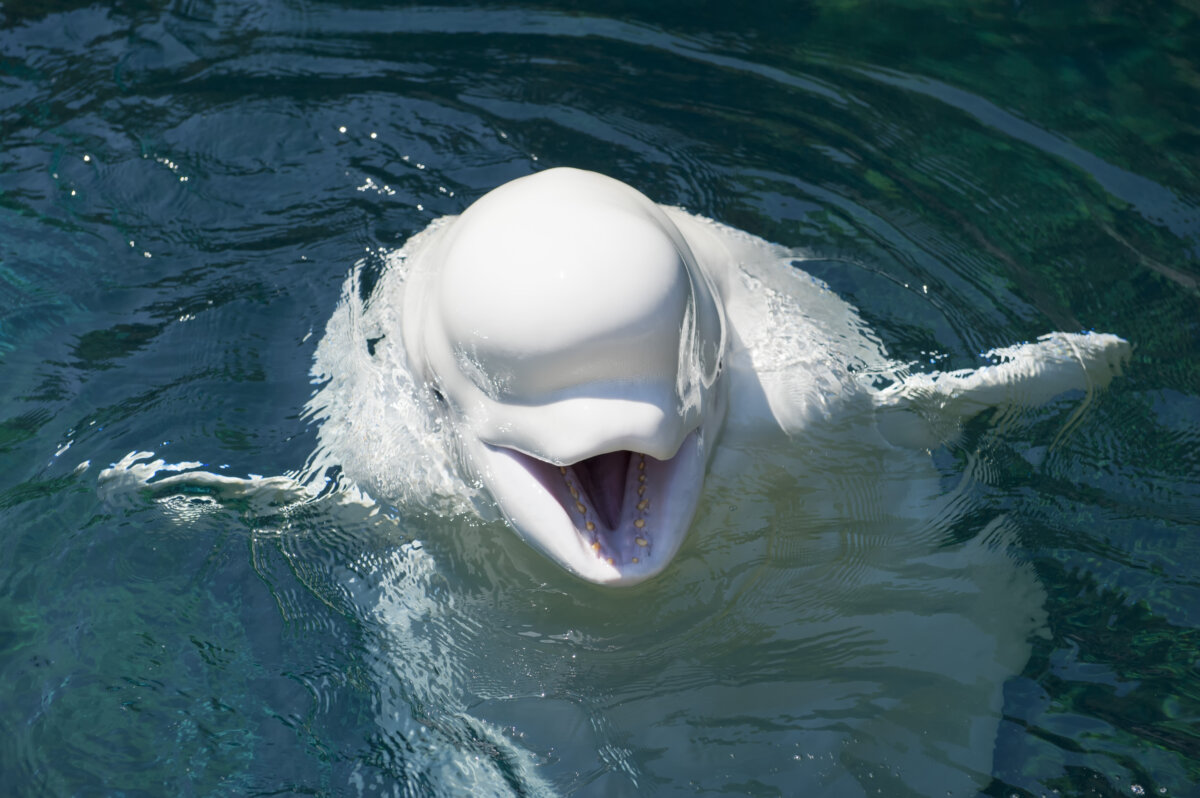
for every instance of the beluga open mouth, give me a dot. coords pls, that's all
(578, 346)
(615, 518)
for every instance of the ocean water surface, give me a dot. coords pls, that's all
(185, 188)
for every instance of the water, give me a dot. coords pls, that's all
(180, 209)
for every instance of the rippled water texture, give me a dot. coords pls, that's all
(184, 188)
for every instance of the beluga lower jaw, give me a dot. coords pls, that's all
(578, 348)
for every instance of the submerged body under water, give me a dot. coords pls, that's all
(894, 624)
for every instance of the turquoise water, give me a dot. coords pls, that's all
(183, 190)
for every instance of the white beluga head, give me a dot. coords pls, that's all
(577, 344)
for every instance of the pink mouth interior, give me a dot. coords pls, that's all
(602, 478)
(611, 499)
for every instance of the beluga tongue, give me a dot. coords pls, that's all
(601, 480)
(616, 508)
(578, 346)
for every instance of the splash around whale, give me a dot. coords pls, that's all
(568, 354)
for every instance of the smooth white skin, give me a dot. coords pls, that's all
(565, 316)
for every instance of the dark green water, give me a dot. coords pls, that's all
(179, 207)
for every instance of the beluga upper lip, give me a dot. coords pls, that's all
(577, 343)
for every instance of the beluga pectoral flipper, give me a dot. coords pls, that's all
(923, 406)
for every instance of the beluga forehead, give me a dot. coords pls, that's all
(543, 293)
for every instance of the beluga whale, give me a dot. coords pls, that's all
(567, 354)
(636, 390)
